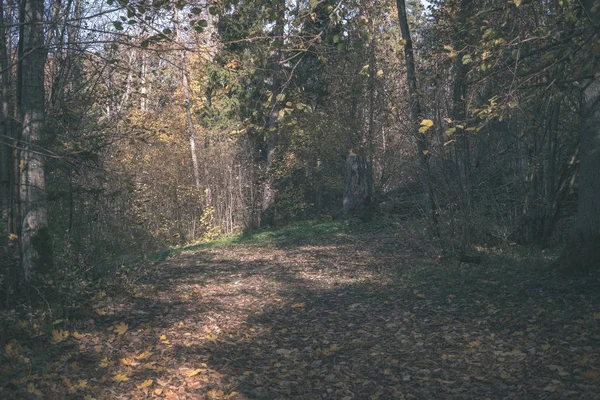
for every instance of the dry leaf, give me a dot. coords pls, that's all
(146, 384)
(121, 328)
(129, 361)
(33, 390)
(78, 335)
(59, 336)
(144, 355)
(194, 372)
(121, 378)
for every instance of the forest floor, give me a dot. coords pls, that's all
(323, 312)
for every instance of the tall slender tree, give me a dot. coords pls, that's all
(415, 117)
(35, 240)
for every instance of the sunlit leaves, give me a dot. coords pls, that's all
(426, 124)
(59, 336)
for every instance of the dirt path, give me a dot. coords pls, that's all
(348, 317)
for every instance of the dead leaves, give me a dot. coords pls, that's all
(120, 377)
(121, 328)
(59, 336)
(145, 385)
(267, 337)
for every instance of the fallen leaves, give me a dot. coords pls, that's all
(59, 336)
(121, 328)
(145, 385)
(259, 332)
(120, 377)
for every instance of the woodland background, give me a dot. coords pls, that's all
(130, 126)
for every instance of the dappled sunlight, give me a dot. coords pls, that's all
(343, 321)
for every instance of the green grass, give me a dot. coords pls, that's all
(296, 232)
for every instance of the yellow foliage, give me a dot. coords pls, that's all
(59, 336)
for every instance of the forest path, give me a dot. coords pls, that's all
(336, 316)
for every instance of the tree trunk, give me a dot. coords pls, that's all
(190, 123)
(269, 192)
(35, 240)
(358, 186)
(415, 111)
(5, 125)
(459, 116)
(582, 253)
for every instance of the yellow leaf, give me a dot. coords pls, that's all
(100, 295)
(158, 391)
(215, 394)
(128, 361)
(146, 384)
(100, 312)
(425, 125)
(82, 383)
(78, 335)
(144, 355)
(444, 356)
(505, 375)
(121, 328)
(194, 372)
(59, 336)
(121, 378)
(104, 363)
(33, 390)
(163, 337)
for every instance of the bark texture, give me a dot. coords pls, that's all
(35, 240)
(415, 111)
